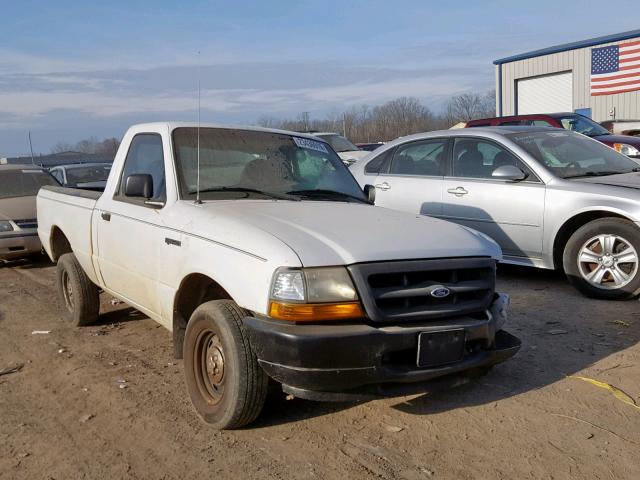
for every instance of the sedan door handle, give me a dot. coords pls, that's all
(458, 191)
(106, 216)
(383, 186)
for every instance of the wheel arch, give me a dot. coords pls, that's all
(194, 290)
(572, 224)
(59, 243)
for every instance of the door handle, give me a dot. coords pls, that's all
(458, 191)
(106, 216)
(171, 241)
(383, 186)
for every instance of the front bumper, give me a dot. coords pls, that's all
(356, 360)
(19, 244)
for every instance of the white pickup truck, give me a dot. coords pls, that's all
(260, 252)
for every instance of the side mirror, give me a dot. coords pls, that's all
(370, 192)
(510, 173)
(139, 185)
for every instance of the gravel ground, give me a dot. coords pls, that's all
(108, 401)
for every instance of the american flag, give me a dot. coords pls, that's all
(615, 69)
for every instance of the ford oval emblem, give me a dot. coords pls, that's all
(440, 292)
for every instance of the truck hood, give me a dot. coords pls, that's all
(628, 180)
(340, 233)
(18, 208)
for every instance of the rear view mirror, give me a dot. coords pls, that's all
(508, 172)
(139, 185)
(370, 192)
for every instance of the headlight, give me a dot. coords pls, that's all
(626, 149)
(5, 226)
(314, 294)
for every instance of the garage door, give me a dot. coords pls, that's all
(547, 94)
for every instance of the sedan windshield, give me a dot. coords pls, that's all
(23, 183)
(569, 155)
(78, 175)
(238, 164)
(583, 125)
(339, 143)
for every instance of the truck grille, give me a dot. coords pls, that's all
(25, 224)
(28, 223)
(392, 291)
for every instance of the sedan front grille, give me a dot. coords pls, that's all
(402, 290)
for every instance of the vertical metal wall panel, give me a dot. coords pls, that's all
(578, 61)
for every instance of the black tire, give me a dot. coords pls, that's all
(628, 235)
(226, 384)
(80, 297)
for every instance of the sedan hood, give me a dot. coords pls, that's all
(18, 208)
(353, 154)
(629, 180)
(339, 233)
(611, 139)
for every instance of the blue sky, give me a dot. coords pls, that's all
(71, 69)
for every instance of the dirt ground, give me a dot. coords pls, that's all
(68, 414)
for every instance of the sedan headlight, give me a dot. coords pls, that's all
(314, 294)
(626, 149)
(6, 226)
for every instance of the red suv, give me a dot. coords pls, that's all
(625, 144)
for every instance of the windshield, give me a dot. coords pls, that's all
(339, 143)
(253, 164)
(583, 125)
(569, 155)
(95, 173)
(23, 183)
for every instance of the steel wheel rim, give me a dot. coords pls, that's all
(209, 366)
(608, 261)
(67, 291)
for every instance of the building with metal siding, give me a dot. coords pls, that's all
(559, 79)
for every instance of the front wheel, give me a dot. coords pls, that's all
(227, 386)
(601, 259)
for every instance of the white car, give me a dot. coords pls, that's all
(347, 151)
(253, 250)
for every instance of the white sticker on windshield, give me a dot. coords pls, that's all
(310, 144)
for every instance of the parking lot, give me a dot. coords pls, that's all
(108, 401)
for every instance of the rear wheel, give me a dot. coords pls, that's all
(78, 294)
(227, 386)
(601, 259)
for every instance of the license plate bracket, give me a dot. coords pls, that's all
(440, 348)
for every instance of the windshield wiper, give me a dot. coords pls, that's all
(320, 193)
(280, 196)
(602, 173)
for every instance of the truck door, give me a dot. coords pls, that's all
(131, 233)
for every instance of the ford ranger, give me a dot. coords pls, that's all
(260, 252)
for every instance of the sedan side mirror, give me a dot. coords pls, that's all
(510, 173)
(370, 192)
(139, 185)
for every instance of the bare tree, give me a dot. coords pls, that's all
(108, 146)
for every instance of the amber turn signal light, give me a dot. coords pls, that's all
(313, 312)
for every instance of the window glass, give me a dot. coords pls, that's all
(379, 164)
(475, 158)
(419, 158)
(583, 125)
(145, 155)
(569, 155)
(23, 183)
(339, 143)
(513, 122)
(541, 123)
(94, 173)
(57, 174)
(243, 164)
(487, 124)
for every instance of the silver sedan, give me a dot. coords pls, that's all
(551, 198)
